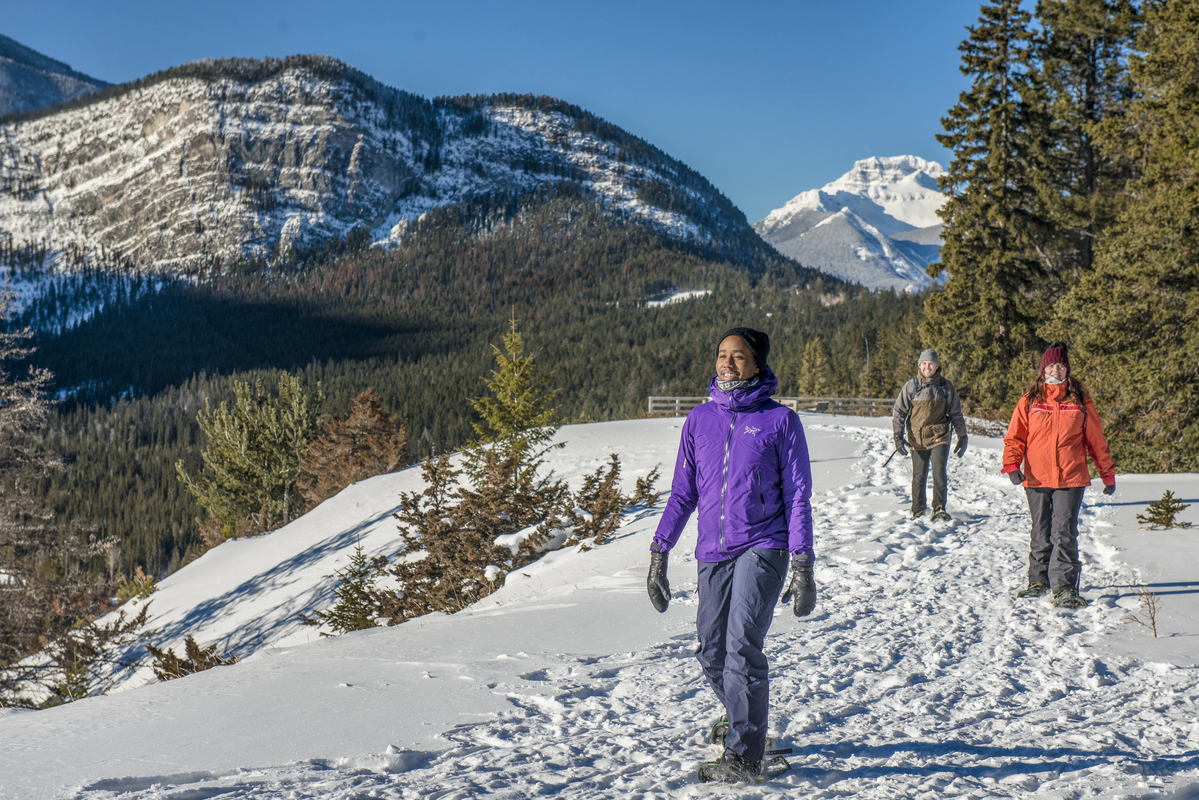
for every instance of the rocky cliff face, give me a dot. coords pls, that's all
(215, 161)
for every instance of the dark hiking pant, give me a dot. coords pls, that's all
(937, 458)
(1053, 554)
(736, 607)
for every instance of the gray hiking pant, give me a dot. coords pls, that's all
(937, 458)
(736, 607)
(1053, 554)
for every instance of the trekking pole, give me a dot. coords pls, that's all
(893, 452)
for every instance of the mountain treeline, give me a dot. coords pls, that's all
(416, 325)
(1073, 211)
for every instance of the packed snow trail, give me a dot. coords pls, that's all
(918, 675)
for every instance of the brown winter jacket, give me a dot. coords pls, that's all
(1052, 439)
(925, 411)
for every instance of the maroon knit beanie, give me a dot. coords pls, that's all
(1056, 353)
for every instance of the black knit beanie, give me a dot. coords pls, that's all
(759, 344)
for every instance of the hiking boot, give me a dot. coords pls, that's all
(918, 514)
(941, 515)
(730, 768)
(720, 729)
(1069, 598)
(1033, 590)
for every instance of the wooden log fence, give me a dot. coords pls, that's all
(845, 406)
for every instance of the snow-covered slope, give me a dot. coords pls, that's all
(918, 675)
(30, 80)
(876, 225)
(218, 160)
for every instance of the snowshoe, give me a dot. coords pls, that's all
(730, 768)
(1033, 590)
(918, 514)
(941, 515)
(1068, 598)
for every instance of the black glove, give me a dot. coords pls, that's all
(959, 449)
(1016, 477)
(659, 587)
(802, 586)
(899, 447)
(1109, 489)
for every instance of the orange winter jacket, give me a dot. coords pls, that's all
(1053, 439)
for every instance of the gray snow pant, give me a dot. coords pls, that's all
(1053, 554)
(937, 458)
(736, 607)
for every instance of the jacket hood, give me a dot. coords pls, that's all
(745, 399)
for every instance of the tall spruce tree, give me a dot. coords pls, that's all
(517, 417)
(816, 375)
(1134, 320)
(366, 443)
(984, 321)
(253, 455)
(1083, 58)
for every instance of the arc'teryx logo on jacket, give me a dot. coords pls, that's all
(743, 464)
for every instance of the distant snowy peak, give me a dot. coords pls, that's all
(877, 224)
(903, 187)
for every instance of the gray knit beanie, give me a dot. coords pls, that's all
(928, 355)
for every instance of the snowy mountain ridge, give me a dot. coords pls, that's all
(230, 159)
(30, 80)
(876, 225)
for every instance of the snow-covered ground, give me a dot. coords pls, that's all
(919, 674)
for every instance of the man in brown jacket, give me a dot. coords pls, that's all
(925, 413)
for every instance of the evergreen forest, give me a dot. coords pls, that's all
(1073, 200)
(416, 324)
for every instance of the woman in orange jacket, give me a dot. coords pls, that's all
(1053, 430)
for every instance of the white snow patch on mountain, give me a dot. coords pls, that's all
(918, 675)
(678, 296)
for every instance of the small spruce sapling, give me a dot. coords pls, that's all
(356, 608)
(168, 666)
(139, 587)
(86, 660)
(599, 505)
(1162, 513)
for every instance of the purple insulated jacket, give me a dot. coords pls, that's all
(743, 462)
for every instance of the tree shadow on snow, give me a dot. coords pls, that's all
(941, 758)
(253, 635)
(1157, 588)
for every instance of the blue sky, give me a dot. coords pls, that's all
(766, 99)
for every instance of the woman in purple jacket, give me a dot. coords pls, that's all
(743, 464)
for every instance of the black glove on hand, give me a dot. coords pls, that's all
(1109, 489)
(1016, 477)
(802, 586)
(659, 587)
(959, 449)
(899, 447)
